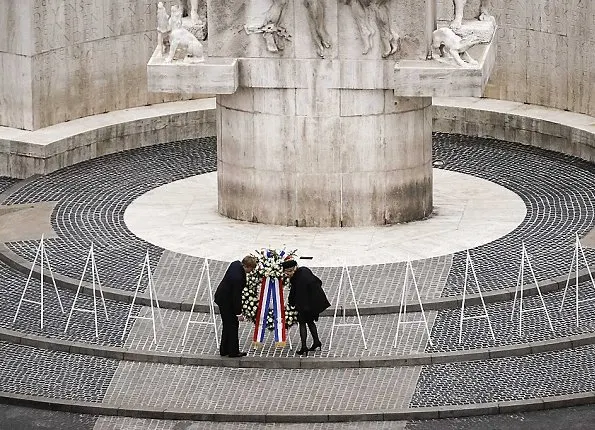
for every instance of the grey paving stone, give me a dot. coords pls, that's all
(507, 379)
(214, 389)
(54, 374)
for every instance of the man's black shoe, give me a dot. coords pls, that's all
(223, 355)
(239, 354)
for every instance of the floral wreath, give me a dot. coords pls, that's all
(268, 265)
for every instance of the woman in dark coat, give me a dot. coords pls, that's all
(308, 298)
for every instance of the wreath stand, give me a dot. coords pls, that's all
(469, 265)
(403, 306)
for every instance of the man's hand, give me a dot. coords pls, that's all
(241, 318)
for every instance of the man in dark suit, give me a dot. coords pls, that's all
(229, 299)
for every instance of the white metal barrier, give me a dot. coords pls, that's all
(469, 265)
(152, 297)
(43, 259)
(403, 306)
(519, 292)
(578, 251)
(96, 285)
(344, 323)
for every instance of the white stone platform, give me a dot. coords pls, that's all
(182, 217)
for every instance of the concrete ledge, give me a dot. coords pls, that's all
(213, 76)
(539, 126)
(425, 413)
(433, 78)
(26, 153)
(253, 362)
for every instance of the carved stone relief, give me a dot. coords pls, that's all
(459, 5)
(455, 46)
(454, 41)
(272, 30)
(320, 36)
(366, 13)
(173, 38)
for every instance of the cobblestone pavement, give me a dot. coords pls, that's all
(511, 378)
(557, 190)
(379, 331)
(279, 390)
(54, 374)
(177, 277)
(92, 198)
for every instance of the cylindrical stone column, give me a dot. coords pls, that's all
(324, 157)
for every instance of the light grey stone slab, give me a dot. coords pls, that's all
(213, 76)
(422, 78)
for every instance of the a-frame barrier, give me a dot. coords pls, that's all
(96, 286)
(43, 260)
(403, 306)
(152, 297)
(578, 252)
(345, 274)
(519, 292)
(470, 267)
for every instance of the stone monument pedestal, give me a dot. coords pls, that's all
(316, 127)
(356, 158)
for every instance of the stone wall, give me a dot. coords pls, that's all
(65, 59)
(546, 51)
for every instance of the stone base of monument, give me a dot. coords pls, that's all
(442, 77)
(212, 76)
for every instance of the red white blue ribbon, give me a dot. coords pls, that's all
(271, 297)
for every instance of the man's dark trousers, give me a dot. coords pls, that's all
(229, 332)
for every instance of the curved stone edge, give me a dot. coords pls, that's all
(136, 411)
(26, 153)
(543, 127)
(249, 362)
(21, 265)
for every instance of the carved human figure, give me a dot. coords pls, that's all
(175, 20)
(162, 28)
(321, 37)
(361, 11)
(194, 12)
(448, 42)
(271, 27)
(388, 36)
(459, 6)
(272, 23)
(180, 38)
(366, 31)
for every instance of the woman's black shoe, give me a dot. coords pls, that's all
(303, 351)
(315, 346)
